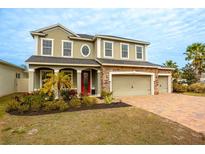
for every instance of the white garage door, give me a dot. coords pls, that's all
(131, 85)
(163, 84)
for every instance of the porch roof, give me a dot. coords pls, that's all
(114, 62)
(61, 60)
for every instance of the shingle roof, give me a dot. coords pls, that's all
(94, 62)
(62, 60)
(128, 39)
(127, 62)
(86, 36)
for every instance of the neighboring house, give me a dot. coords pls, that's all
(96, 63)
(9, 74)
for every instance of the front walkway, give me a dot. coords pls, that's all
(186, 110)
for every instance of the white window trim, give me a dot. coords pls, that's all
(62, 48)
(82, 51)
(36, 45)
(142, 52)
(104, 48)
(51, 47)
(127, 50)
(71, 71)
(42, 74)
(134, 73)
(98, 47)
(169, 81)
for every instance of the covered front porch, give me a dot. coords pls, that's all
(85, 80)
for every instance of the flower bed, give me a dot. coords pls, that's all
(40, 103)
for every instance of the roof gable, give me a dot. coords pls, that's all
(41, 30)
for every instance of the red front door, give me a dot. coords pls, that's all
(85, 80)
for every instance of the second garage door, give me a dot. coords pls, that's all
(131, 85)
(163, 84)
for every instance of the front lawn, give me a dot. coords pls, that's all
(123, 125)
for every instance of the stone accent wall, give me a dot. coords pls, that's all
(105, 83)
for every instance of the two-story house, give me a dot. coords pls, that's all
(96, 63)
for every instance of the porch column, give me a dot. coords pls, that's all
(31, 80)
(56, 71)
(99, 82)
(56, 92)
(79, 81)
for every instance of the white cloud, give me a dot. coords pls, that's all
(168, 30)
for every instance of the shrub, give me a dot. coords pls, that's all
(75, 102)
(105, 93)
(197, 87)
(12, 106)
(22, 108)
(89, 101)
(108, 99)
(61, 105)
(35, 106)
(50, 106)
(55, 105)
(68, 94)
(179, 88)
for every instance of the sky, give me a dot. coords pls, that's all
(169, 31)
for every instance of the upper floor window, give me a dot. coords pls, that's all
(47, 46)
(67, 47)
(108, 49)
(85, 50)
(124, 51)
(139, 52)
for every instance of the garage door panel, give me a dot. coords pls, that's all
(163, 84)
(131, 85)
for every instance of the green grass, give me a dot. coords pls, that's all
(126, 125)
(3, 101)
(194, 94)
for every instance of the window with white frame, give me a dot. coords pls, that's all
(70, 75)
(47, 45)
(108, 49)
(124, 51)
(139, 52)
(44, 74)
(85, 50)
(67, 48)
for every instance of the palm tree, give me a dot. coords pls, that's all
(55, 82)
(196, 54)
(171, 64)
(176, 71)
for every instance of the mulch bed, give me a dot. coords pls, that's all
(94, 107)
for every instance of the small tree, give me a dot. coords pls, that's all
(176, 72)
(196, 54)
(55, 82)
(189, 74)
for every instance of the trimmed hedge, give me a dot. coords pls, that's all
(195, 87)
(179, 88)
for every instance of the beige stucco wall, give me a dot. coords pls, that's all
(22, 85)
(117, 51)
(57, 34)
(8, 79)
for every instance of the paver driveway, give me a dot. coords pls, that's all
(186, 110)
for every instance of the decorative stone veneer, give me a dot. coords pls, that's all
(105, 83)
